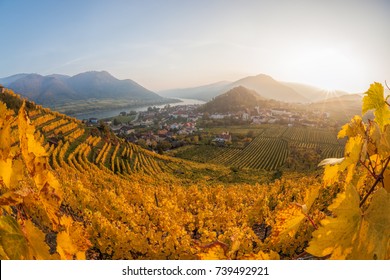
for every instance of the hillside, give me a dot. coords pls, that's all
(340, 108)
(271, 89)
(236, 99)
(96, 88)
(314, 94)
(204, 93)
(72, 192)
(278, 148)
(264, 85)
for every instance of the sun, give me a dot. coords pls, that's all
(329, 68)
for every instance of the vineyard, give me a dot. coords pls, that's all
(71, 144)
(270, 149)
(261, 153)
(97, 197)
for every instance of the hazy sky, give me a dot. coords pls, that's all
(168, 44)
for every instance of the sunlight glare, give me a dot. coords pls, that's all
(328, 68)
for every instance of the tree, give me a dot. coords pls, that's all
(250, 134)
(142, 143)
(164, 145)
(195, 139)
(116, 122)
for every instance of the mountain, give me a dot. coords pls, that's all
(263, 84)
(204, 93)
(59, 76)
(236, 99)
(43, 90)
(57, 90)
(314, 93)
(103, 85)
(271, 89)
(341, 108)
(7, 80)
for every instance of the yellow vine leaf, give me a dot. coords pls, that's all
(5, 130)
(234, 247)
(289, 219)
(6, 171)
(18, 170)
(5, 144)
(353, 128)
(39, 250)
(352, 150)
(11, 171)
(36, 160)
(352, 235)
(374, 100)
(384, 143)
(10, 199)
(215, 253)
(352, 154)
(3, 254)
(374, 132)
(262, 256)
(386, 179)
(374, 234)
(33, 152)
(287, 222)
(51, 201)
(72, 242)
(334, 237)
(330, 174)
(311, 195)
(65, 246)
(363, 153)
(12, 239)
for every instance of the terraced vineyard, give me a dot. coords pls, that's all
(122, 158)
(90, 196)
(268, 150)
(69, 143)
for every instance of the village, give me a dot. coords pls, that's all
(162, 129)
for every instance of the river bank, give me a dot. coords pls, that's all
(101, 114)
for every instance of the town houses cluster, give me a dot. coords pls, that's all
(175, 126)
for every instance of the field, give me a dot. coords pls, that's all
(270, 148)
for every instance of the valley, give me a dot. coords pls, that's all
(139, 138)
(74, 190)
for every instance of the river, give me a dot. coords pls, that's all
(102, 114)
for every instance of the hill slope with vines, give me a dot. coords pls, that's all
(66, 193)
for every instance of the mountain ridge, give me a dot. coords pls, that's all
(271, 89)
(56, 89)
(264, 84)
(236, 99)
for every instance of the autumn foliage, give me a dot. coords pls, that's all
(85, 197)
